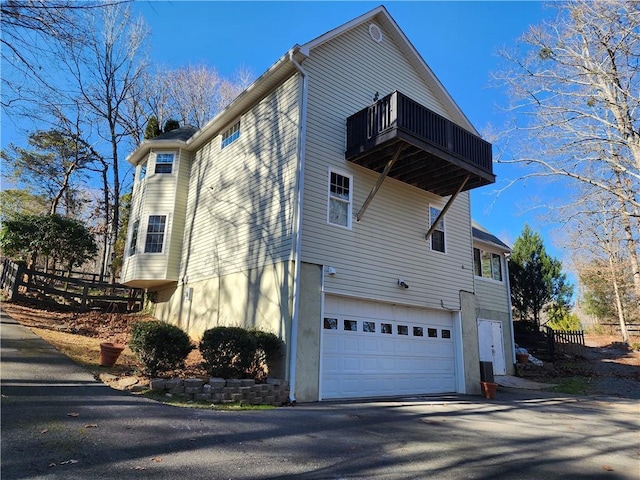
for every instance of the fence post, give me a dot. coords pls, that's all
(19, 272)
(85, 295)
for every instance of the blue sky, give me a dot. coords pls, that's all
(458, 40)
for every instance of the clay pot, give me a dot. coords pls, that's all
(489, 390)
(109, 353)
(522, 357)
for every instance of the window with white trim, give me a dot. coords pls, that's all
(437, 237)
(340, 196)
(133, 242)
(487, 264)
(154, 241)
(164, 162)
(143, 171)
(231, 135)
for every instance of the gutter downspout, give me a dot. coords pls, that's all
(513, 340)
(301, 148)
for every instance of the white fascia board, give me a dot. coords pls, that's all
(145, 147)
(274, 76)
(478, 242)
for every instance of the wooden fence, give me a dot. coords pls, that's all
(24, 284)
(568, 341)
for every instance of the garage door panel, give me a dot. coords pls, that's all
(360, 360)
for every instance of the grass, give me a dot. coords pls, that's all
(85, 351)
(178, 401)
(576, 385)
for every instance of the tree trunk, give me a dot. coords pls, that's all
(616, 291)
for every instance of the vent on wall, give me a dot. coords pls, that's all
(375, 33)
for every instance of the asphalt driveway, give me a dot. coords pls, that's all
(57, 422)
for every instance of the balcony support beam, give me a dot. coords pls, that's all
(378, 184)
(446, 207)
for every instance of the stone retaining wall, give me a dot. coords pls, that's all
(218, 390)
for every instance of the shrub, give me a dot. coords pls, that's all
(233, 352)
(228, 352)
(159, 346)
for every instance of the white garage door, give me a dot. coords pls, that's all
(372, 349)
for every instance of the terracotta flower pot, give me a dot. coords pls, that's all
(522, 357)
(109, 353)
(489, 389)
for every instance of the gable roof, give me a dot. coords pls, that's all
(284, 68)
(381, 15)
(483, 235)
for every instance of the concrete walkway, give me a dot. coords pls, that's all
(509, 381)
(57, 422)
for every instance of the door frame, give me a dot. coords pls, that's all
(499, 368)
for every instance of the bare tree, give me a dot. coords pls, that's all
(193, 94)
(106, 70)
(601, 263)
(574, 84)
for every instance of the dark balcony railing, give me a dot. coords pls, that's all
(396, 117)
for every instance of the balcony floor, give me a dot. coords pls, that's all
(419, 164)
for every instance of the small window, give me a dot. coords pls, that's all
(432, 332)
(133, 243)
(446, 333)
(351, 325)
(385, 328)
(143, 171)
(231, 135)
(369, 327)
(155, 234)
(437, 237)
(164, 163)
(403, 330)
(418, 332)
(330, 323)
(339, 200)
(487, 264)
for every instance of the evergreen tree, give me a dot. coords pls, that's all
(153, 128)
(536, 279)
(171, 124)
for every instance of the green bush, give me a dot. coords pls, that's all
(234, 352)
(567, 322)
(159, 346)
(228, 352)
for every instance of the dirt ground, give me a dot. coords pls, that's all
(608, 367)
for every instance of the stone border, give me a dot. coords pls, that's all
(218, 390)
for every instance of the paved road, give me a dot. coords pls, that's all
(114, 435)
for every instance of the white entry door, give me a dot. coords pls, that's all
(491, 345)
(373, 349)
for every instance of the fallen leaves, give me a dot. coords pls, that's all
(607, 468)
(91, 425)
(73, 414)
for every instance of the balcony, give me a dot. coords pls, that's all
(433, 153)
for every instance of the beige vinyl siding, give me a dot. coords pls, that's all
(491, 294)
(240, 205)
(182, 170)
(389, 242)
(156, 194)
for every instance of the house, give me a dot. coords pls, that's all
(328, 204)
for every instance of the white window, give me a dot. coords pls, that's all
(133, 242)
(231, 134)
(154, 242)
(437, 237)
(143, 171)
(340, 194)
(164, 163)
(487, 264)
